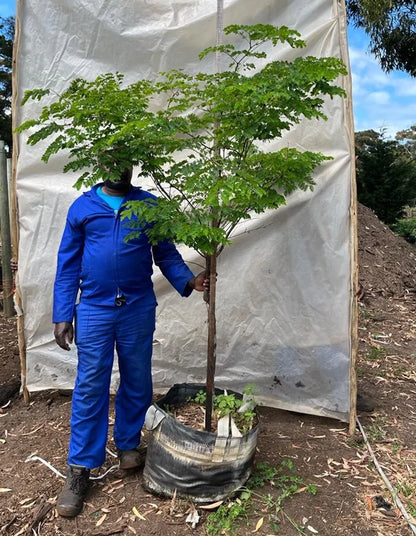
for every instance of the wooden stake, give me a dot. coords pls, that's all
(6, 252)
(349, 124)
(14, 212)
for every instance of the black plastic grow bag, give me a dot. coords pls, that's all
(191, 463)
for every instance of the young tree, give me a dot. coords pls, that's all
(6, 57)
(206, 149)
(391, 26)
(386, 175)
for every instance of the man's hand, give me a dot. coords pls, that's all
(64, 334)
(199, 282)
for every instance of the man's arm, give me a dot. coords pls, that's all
(173, 267)
(67, 280)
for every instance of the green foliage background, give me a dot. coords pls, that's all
(391, 26)
(386, 175)
(6, 56)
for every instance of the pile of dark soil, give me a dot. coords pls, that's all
(386, 261)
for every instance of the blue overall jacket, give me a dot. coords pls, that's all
(94, 258)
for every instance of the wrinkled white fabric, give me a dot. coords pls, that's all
(284, 288)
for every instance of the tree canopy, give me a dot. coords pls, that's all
(6, 58)
(391, 26)
(408, 139)
(386, 175)
(215, 124)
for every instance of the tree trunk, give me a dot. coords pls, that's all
(211, 270)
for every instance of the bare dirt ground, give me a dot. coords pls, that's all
(351, 498)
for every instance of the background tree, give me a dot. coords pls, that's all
(386, 175)
(391, 26)
(408, 139)
(6, 57)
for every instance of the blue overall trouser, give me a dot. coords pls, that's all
(98, 330)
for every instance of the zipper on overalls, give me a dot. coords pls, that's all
(120, 298)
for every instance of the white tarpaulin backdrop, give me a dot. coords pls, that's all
(284, 288)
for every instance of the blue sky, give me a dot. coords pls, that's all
(380, 101)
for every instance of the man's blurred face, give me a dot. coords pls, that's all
(123, 185)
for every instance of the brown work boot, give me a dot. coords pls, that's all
(72, 498)
(133, 458)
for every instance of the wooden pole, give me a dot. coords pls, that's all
(6, 249)
(220, 32)
(14, 209)
(349, 122)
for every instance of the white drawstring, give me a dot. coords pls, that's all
(33, 458)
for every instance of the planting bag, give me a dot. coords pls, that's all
(190, 463)
(285, 287)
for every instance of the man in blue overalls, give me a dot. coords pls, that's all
(116, 310)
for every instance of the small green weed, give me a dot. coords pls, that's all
(375, 431)
(395, 447)
(262, 474)
(224, 520)
(375, 353)
(231, 405)
(200, 398)
(399, 371)
(406, 489)
(411, 509)
(250, 502)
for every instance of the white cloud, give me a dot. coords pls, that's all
(407, 89)
(358, 59)
(379, 97)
